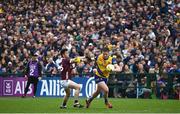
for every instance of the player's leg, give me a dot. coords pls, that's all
(66, 97)
(94, 95)
(27, 87)
(77, 88)
(103, 87)
(35, 86)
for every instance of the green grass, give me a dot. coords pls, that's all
(51, 105)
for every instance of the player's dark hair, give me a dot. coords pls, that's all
(63, 51)
(105, 49)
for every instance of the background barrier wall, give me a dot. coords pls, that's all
(47, 87)
(51, 87)
(1, 86)
(14, 86)
(121, 85)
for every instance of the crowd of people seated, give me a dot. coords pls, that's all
(142, 34)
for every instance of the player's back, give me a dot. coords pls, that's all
(66, 69)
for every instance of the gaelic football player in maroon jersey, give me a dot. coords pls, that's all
(66, 82)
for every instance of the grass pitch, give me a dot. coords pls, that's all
(51, 105)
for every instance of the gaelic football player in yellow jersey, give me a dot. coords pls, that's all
(102, 71)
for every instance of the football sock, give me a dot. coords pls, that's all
(90, 99)
(105, 100)
(75, 101)
(64, 104)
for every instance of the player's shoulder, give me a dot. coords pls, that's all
(99, 57)
(65, 60)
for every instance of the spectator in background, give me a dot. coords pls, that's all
(124, 80)
(174, 69)
(51, 68)
(20, 68)
(177, 91)
(128, 74)
(162, 91)
(80, 69)
(58, 62)
(51, 28)
(141, 71)
(143, 92)
(10, 67)
(1, 68)
(73, 53)
(126, 69)
(131, 90)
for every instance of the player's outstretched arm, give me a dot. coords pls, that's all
(77, 59)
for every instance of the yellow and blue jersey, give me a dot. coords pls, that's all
(101, 65)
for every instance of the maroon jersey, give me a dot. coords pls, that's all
(67, 68)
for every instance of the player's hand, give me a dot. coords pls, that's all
(77, 59)
(110, 67)
(39, 78)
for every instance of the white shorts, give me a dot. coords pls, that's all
(65, 83)
(69, 84)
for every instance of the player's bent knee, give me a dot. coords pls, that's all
(106, 91)
(79, 87)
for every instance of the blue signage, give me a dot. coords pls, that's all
(51, 87)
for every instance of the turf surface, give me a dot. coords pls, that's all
(51, 105)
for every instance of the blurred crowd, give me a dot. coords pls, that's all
(143, 35)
